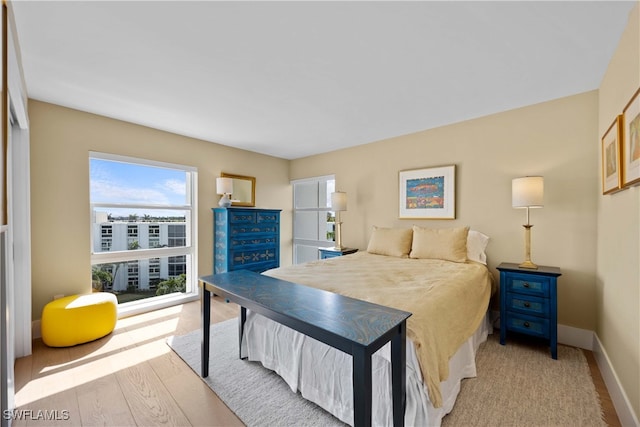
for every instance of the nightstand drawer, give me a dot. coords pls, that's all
(326, 254)
(536, 326)
(528, 304)
(528, 284)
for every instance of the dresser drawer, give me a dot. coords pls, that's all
(247, 257)
(252, 242)
(262, 228)
(528, 284)
(267, 217)
(530, 325)
(527, 304)
(242, 217)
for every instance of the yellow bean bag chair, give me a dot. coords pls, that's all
(77, 319)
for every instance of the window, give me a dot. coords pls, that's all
(313, 220)
(106, 237)
(154, 236)
(143, 226)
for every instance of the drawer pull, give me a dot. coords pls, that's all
(526, 285)
(527, 305)
(526, 324)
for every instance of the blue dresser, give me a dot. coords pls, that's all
(245, 238)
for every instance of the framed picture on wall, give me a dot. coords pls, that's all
(428, 193)
(631, 142)
(611, 163)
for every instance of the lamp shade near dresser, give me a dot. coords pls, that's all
(529, 302)
(245, 238)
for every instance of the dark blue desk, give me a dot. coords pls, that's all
(353, 326)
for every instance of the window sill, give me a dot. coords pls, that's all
(155, 303)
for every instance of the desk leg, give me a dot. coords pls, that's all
(206, 327)
(243, 319)
(398, 374)
(361, 387)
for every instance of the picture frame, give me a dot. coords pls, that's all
(611, 157)
(428, 193)
(631, 142)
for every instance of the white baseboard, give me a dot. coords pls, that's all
(618, 396)
(575, 337)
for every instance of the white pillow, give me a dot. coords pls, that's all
(476, 244)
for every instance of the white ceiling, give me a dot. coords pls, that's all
(292, 79)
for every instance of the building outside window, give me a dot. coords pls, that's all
(143, 226)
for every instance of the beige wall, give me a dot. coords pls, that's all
(557, 139)
(61, 139)
(618, 260)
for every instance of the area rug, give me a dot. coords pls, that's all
(517, 384)
(258, 396)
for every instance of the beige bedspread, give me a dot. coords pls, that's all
(448, 300)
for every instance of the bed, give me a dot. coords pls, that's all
(438, 275)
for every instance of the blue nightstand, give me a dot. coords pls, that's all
(529, 302)
(334, 252)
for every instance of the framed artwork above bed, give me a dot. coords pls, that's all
(428, 193)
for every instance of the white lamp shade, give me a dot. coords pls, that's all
(527, 192)
(224, 185)
(339, 201)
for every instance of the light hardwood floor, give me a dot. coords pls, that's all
(131, 377)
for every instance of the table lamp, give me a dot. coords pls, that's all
(527, 192)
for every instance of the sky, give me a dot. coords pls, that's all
(117, 182)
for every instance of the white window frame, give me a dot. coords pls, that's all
(190, 249)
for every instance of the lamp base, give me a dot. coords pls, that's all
(527, 248)
(528, 264)
(225, 201)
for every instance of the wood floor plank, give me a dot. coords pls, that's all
(55, 409)
(22, 372)
(199, 403)
(150, 401)
(102, 403)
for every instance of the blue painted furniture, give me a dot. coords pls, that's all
(529, 302)
(353, 326)
(245, 238)
(333, 252)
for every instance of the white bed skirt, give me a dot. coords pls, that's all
(322, 374)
